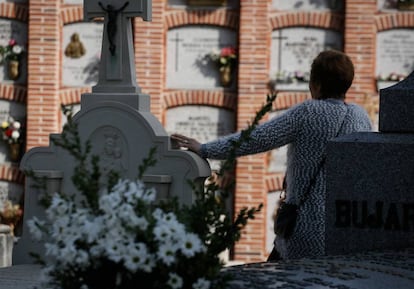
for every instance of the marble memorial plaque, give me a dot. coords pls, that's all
(187, 47)
(81, 53)
(395, 56)
(14, 1)
(73, 1)
(272, 199)
(308, 5)
(387, 4)
(11, 29)
(10, 191)
(204, 123)
(75, 108)
(292, 52)
(278, 158)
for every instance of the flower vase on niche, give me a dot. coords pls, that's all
(14, 149)
(407, 5)
(225, 75)
(13, 69)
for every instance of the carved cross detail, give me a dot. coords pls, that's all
(117, 67)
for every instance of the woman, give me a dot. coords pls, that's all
(306, 128)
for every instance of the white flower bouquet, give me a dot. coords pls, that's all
(127, 239)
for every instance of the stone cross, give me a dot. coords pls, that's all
(117, 69)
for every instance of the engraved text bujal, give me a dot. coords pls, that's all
(84, 70)
(395, 53)
(292, 52)
(187, 48)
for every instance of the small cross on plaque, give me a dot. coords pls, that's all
(117, 67)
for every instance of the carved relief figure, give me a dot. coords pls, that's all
(75, 48)
(111, 26)
(111, 156)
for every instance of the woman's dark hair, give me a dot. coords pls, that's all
(333, 71)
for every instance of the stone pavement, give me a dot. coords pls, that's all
(385, 270)
(20, 277)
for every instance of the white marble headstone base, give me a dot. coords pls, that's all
(6, 246)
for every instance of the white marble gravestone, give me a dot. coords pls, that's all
(204, 123)
(292, 52)
(82, 70)
(395, 56)
(308, 4)
(187, 48)
(117, 121)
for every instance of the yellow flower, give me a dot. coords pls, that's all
(5, 124)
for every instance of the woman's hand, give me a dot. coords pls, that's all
(186, 142)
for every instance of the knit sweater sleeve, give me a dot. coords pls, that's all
(274, 133)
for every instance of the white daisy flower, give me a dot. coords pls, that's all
(201, 283)
(175, 281)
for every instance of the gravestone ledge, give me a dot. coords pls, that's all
(369, 270)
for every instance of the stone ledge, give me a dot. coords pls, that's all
(376, 270)
(383, 270)
(20, 277)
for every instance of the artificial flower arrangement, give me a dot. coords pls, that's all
(12, 131)
(11, 51)
(121, 237)
(225, 57)
(391, 77)
(10, 214)
(291, 77)
(405, 4)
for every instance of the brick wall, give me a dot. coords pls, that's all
(254, 22)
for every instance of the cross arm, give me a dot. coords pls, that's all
(135, 8)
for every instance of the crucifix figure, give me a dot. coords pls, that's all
(111, 27)
(117, 65)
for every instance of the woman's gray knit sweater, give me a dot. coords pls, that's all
(306, 128)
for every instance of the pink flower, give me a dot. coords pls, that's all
(12, 42)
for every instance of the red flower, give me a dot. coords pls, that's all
(8, 132)
(12, 42)
(227, 51)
